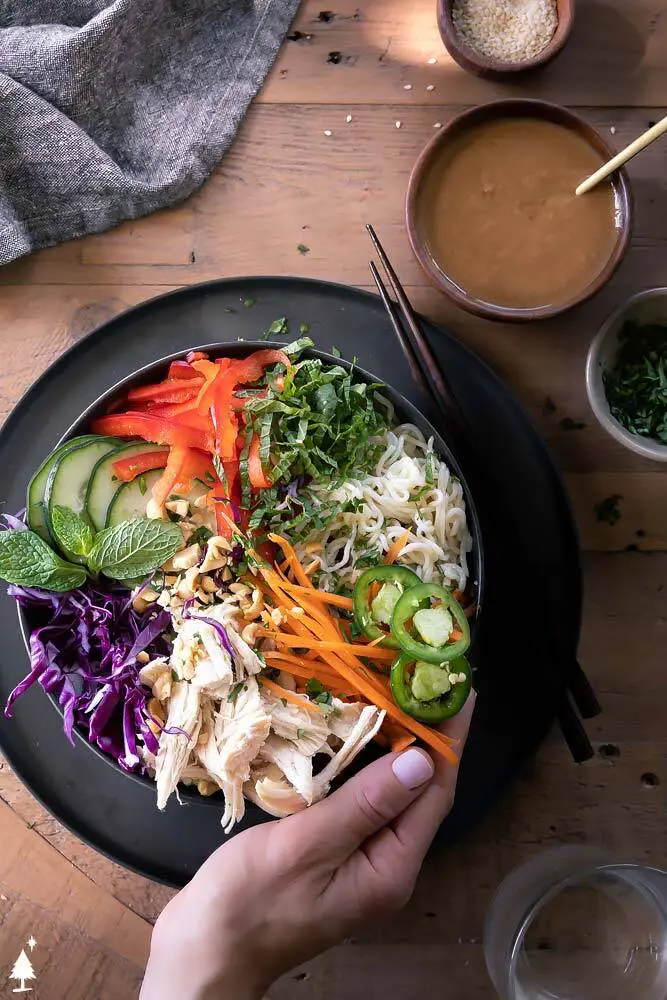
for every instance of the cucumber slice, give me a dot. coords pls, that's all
(129, 501)
(37, 485)
(102, 487)
(69, 476)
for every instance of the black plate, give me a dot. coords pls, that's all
(515, 705)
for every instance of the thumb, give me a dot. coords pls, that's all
(335, 827)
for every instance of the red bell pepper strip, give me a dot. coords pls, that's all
(152, 427)
(127, 469)
(165, 486)
(198, 465)
(255, 471)
(165, 392)
(181, 371)
(252, 367)
(196, 356)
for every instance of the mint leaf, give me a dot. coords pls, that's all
(73, 535)
(26, 559)
(134, 548)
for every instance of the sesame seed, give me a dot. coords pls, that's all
(328, 131)
(430, 87)
(348, 119)
(398, 124)
(508, 30)
(407, 86)
(438, 125)
(613, 130)
(432, 61)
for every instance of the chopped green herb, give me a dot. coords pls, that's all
(173, 516)
(302, 248)
(114, 479)
(300, 733)
(200, 536)
(284, 701)
(228, 309)
(304, 328)
(220, 472)
(607, 510)
(249, 302)
(314, 687)
(235, 692)
(174, 676)
(210, 479)
(279, 327)
(175, 496)
(636, 385)
(336, 352)
(141, 482)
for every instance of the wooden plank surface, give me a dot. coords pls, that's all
(286, 183)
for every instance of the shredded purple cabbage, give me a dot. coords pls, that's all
(237, 553)
(84, 654)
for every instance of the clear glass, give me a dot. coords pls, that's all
(575, 923)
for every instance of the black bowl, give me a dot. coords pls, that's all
(405, 411)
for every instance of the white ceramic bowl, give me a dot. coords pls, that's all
(646, 307)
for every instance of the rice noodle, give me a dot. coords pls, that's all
(395, 497)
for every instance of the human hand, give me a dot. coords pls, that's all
(280, 893)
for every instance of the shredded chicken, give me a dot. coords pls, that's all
(224, 730)
(363, 732)
(173, 754)
(270, 790)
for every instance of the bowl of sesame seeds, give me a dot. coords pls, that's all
(499, 38)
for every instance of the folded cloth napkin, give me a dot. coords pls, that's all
(111, 110)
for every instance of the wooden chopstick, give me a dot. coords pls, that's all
(641, 142)
(430, 379)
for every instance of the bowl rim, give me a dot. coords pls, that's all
(473, 61)
(597, 398)
(516, 107)
(476, 569)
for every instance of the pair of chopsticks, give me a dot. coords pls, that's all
(553, 653)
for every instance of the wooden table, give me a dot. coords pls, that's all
(287, 182)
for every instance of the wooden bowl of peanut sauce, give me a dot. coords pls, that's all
(493, 218)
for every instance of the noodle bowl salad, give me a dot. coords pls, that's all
(241, 575)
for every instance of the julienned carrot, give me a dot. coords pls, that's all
(395, 549)
(344, 661)
(323, 596)
(402, 742)
(302, 668)
(292, 561)
(293, 699)
(298, 642)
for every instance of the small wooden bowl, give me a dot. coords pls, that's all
(495, 69)
(516, 108)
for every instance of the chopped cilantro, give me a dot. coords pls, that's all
(141, 482)
(200, 536)
(249, 302)
(300, 733)
(302, 248)
(304, 328)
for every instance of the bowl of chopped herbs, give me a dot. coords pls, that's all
(626, 374)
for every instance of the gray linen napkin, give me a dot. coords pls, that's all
(111, 110)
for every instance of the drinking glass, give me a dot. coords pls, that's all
(577, 923)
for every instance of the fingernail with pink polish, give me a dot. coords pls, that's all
(412, 768)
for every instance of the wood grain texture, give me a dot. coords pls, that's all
(286, 183)
(615, 56)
